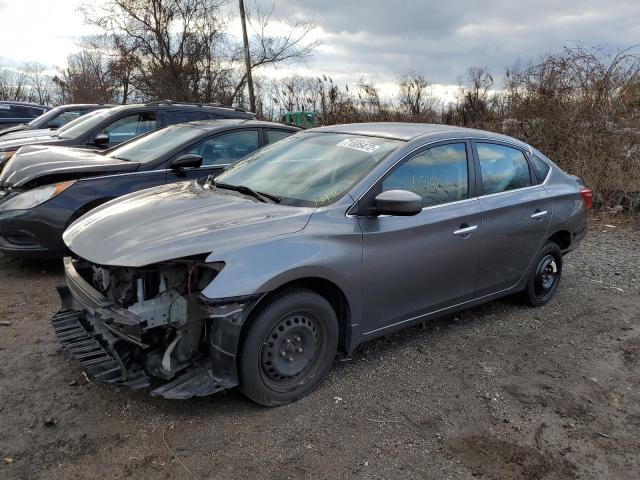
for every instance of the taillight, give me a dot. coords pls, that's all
(587, 196)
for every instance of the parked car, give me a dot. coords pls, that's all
(15, 113)
(307, 248)
(46, 134)
(43, 189)
(113, 126)
(55, 118)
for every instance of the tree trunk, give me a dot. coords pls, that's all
(247, 58)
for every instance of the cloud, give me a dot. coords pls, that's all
(383, 39)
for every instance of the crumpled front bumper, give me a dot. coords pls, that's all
(84, 340)
(90, 330)
(79, 342)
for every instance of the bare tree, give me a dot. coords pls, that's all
(169, 44)
(41, 86)
(415, 97)
(265, 49)
(88, 78)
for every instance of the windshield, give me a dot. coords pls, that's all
(150, 146)
(78, 120)
(85, 124)
(310, 169)
(44, 119)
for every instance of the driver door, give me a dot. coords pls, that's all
(416, 265)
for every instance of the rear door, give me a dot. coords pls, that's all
(516, 214)
(419, 264)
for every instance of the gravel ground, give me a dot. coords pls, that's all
(500, 391)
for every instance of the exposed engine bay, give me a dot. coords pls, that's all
(153, 324)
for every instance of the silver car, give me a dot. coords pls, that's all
(260, 277)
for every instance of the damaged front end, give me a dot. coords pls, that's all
(150, 326)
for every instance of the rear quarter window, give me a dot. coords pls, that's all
(540, 167)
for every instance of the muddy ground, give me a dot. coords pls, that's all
(501, 391)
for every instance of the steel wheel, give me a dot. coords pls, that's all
(289, 350)
(289, 346)
(546, 276)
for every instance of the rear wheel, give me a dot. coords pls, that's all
(289, 347)
(545, 277)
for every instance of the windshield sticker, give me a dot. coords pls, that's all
(5, 107)
(360, 145)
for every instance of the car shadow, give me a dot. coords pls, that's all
(379, 350)
(35, 266)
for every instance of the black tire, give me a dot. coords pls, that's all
(545, 276)
(289, 347)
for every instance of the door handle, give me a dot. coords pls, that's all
(465, 231)
(539, 214)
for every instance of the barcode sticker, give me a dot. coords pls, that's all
(360, 145)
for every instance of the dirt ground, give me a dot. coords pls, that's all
(501, 391)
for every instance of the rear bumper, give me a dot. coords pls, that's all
(577, 235)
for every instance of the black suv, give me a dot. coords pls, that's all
(15, 113)
(112, 126)
(55, 118)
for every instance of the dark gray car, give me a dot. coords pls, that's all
(55, 118)
(307, 248)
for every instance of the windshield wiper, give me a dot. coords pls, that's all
(263, 197)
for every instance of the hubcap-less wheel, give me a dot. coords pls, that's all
(290, 350)
(546, 276)
(288, 347)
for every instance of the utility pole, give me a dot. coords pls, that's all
(247, 58)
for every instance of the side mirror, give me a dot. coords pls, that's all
(101, 139)
(189, 160)
(53, 126)
(399, 203)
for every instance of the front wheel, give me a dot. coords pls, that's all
(545, 277)
(289, 347)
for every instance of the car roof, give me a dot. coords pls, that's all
(230, 112)
(87, 105)
(410, 131)
(215, 124)
(24, 104)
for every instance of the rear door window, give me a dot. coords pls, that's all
(172, 118)
(275, 135)
(226, 148)
(438, 175)
(502, 168)
(15, 111)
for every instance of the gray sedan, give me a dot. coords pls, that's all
(307, 248)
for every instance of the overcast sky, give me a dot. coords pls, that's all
(376, 39)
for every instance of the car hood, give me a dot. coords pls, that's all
(176, 221)
(37, 139)
(45, 164)
(24, 132)
(15, 128)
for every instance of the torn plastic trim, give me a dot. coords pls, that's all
(227, 317)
